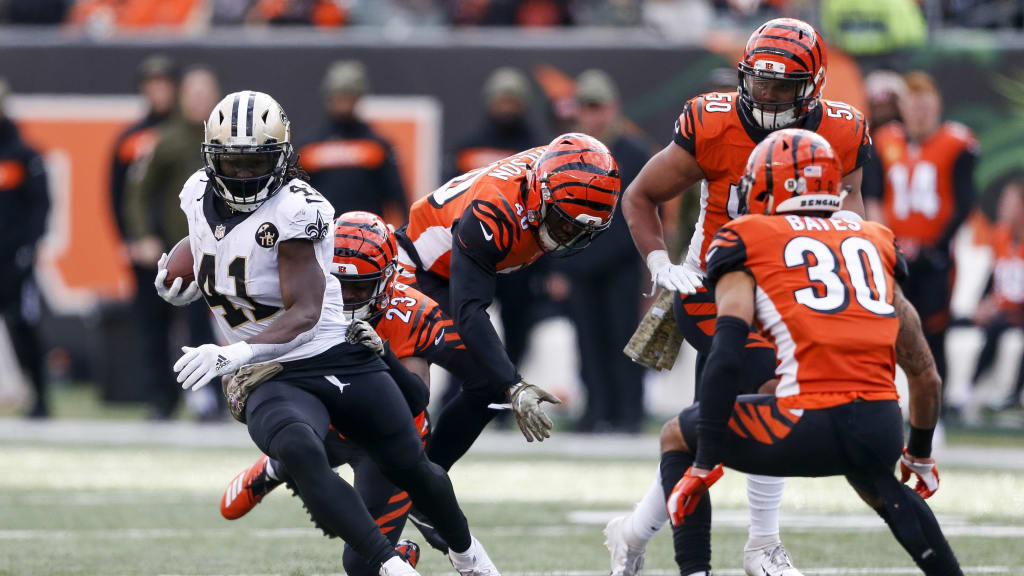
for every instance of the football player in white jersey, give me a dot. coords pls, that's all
(262, 245)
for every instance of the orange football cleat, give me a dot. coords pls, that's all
(246, 490)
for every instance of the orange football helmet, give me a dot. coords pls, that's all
(792, 170)
(577, 183)
(782, 73)
(365, 262)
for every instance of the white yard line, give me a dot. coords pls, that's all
(503, 443)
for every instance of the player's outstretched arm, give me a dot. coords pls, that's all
(302, 293)
(915, 358)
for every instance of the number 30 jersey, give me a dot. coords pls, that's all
(235, 260)
(714, 131)
(824, 296)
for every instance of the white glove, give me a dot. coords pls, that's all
(683, 278)
(197, 366)
(526, 399)
(174, 295)
(361, 332)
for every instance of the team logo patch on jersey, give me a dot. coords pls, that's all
(317, 230)
(219, 231)
(267, 235)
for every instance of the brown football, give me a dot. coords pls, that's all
(179, 264)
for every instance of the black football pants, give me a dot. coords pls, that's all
(860, 440)
(289, 419)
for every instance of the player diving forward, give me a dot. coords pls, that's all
(781, 77)
(262, 247)
(824, 287)
(553, 199)
(408, 330)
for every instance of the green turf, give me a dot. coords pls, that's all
(146, 511)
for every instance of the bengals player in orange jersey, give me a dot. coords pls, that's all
(409, 331)
(781, 77)
(824, 288)
(926, 183)
(553, 199)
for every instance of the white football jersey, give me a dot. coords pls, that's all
(235, 260)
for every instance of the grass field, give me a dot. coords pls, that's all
(104, 510)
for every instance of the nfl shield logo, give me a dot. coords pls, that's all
(219, 231)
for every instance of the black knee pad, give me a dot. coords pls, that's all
(298, 446)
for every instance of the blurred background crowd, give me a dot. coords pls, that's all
(952, 191)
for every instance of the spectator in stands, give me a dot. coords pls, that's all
(927, 193)
(24, 204)
(349, 163)
(324, 13)
(158, 86)
(604, 279)
(1002, 307)
(155, 223)
(505, 131)
(526, 13)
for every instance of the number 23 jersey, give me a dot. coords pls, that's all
(824, 295)
(235, 260)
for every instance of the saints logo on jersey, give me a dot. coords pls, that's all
(267, 235)
(317, 230)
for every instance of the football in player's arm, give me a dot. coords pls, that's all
(262, 247)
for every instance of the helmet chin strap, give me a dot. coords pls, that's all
(361, 313)
(546, 241)
(778, 119)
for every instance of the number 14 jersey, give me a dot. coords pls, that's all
(235, 260)
(824, 295)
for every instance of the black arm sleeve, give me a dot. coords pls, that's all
(473, 278)
(873, 184)
(719, 389)
(39, 196)
(963, 196)
(415, 391)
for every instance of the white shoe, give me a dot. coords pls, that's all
(769, 560)
(473, 562)
(627, 558)
(397, 567)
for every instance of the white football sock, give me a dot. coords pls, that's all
(270, 470)
(764, 494)
(650, 513)
(466, 558)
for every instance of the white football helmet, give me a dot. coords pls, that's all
(247, 149)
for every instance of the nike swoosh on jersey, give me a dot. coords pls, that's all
(487, 235)
(439, 337)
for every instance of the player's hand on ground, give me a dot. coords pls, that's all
(689, 490)
(926, 470)
(197, 366)
(682, 278)
(174, 294)
(362, 333)
(526, 402)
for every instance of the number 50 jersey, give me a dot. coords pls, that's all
(824, 295)
(235, 260)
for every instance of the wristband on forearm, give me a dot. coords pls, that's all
(920, 443)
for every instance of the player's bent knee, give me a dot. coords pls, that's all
(672, 437)
(297, 443)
